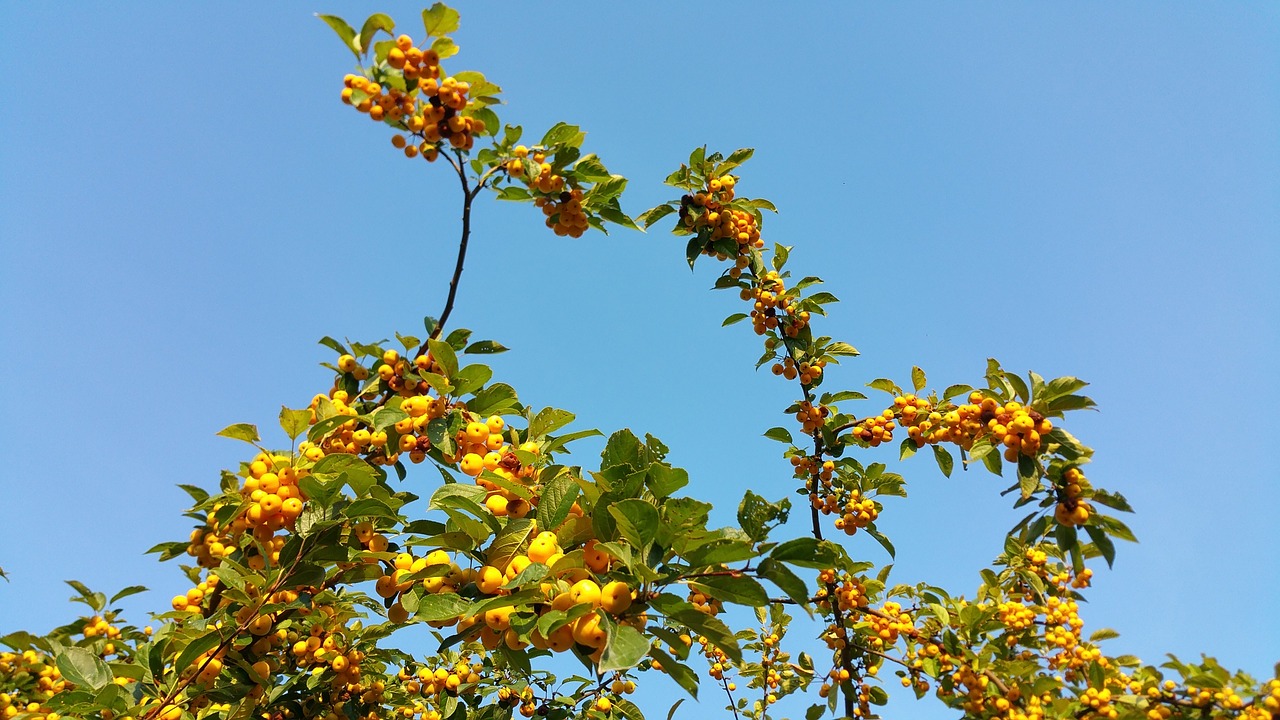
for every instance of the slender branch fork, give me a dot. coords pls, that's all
(469, 195)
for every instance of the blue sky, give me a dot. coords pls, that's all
(1083, 189)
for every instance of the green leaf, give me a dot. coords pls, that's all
(471, 378)
(663, 480)
(1019, 387)
(684, 676)
(445, 357)
(842, 396)
(1116, 501)
(780, 434)
(880, 538)
(885, 385)
(495, 399)
(755, 515)
(369, 507)
(444, 47)
(563, 134)
(637, 521)
(435, 607)
(240, 431)
(906, 449)
(945, 461)
(556, 501)
(1105, 547)
(508, 542)
(615, 215)
(918, 380)
(348, 35)
(534, 572)
(624, 449)
(485, 347)
(1028, 476)
(548, 420)
(294, 422)
(590, 169)
(782, 576)
(734, 318)
(625, 649)
(514, 193)
(83, 668)
(198, 494)
(780, 254)
(740, 590)
(724, 550)
(711, 627)
(198, 647)
(739, 156)
(808, 552)
(356, 472)
(126, 592)
(376, 22)
(653, 215)
(440, 20)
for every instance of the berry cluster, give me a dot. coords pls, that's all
(772, 309)
(413, 96)
(1071, 510)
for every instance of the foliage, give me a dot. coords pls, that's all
(307, 558)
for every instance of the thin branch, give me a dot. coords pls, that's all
(467, 197)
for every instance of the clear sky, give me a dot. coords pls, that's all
(1084, 189)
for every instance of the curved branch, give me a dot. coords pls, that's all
(467, 197)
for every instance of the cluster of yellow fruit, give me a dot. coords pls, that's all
(98, 626)
(431, 682)
(916, 655)
(323, 648)
(484, 450)
(717, 661)
(835, 676)
(564, 588)
(29, 679)
(429, 108)
(1099, 702)
(1071, 510)
(806, 372)
(771, 659)
(849, 592)
(852, 511)
(275, 500)
(890, 622)
(981, 699)
(1062, 624)
(813, 469)
(524, 698)
(207, 665)
(705, 603)
(876, 429)
(811, 416)
(194, 600)
(392, 585)
(208, 545)
(705, 213)
(1016, 617)
(1017, 428)
(562, 205)
(565, 215)
(771, 310)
